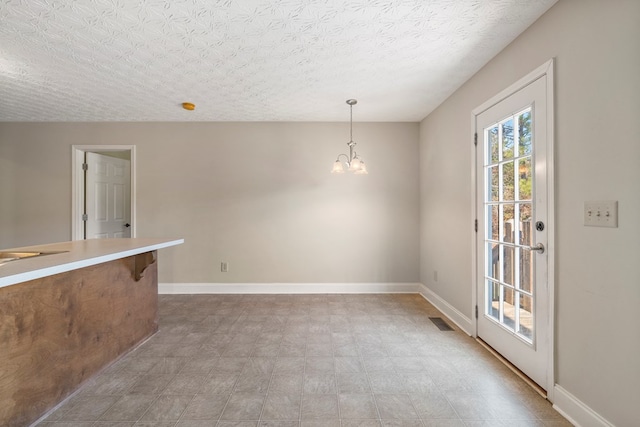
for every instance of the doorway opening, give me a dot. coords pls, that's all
(513, 205)
(81, 193)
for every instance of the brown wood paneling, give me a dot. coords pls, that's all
(56, 332)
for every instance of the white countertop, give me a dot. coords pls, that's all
(79, 254)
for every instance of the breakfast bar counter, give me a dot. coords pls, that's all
(74, 255)
(67, 314)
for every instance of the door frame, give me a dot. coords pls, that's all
(545, 69)
(78, 187)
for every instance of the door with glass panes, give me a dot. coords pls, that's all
(511, 179)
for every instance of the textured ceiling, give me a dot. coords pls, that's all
(245, 60)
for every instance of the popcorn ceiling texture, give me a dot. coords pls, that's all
(249, 60)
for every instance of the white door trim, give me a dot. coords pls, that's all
(545, 69)
(77, 185)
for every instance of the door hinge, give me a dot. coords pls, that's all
(476, 225)
(85, 217)
(85, 167)
(475, 139)
(476, 311)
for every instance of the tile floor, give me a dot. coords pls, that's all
(305, 361)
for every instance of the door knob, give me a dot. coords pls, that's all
(127, 225)
(538, 248)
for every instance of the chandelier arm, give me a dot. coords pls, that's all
(345, 156)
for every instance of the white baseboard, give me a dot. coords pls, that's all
(286, 288)
(574, 410)
(447, 309)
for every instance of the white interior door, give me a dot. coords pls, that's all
(108, 197)
(512, 209)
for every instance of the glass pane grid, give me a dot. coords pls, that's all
(507, 244)
(508, 286)
(510, 202)
(511, 309)
(509, 160)
(508, 212)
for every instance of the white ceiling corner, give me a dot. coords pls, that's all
(246, 60)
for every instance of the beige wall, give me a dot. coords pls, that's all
(597, 104)
(257, 195)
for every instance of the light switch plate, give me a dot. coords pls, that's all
(601, 214)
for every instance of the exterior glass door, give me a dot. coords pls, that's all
(511, 167)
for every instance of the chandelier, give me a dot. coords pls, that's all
(354, 163)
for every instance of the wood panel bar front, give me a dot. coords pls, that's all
(58, 331)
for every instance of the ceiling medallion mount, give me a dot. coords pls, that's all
(354, 163)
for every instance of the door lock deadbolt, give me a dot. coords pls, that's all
(539, 225)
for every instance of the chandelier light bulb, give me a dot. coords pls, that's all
(337, 167)
(362, 170)
(355, 164)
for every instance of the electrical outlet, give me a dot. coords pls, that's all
(601, 214)
(224, 267)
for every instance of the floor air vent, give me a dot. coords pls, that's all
(441, 324)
